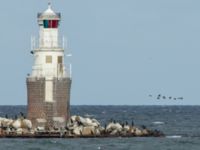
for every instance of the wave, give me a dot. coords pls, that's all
(88, 115)
(174, 136)
(158, 122)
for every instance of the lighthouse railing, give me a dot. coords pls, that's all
(37, 43)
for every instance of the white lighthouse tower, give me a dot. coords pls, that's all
(49, 83)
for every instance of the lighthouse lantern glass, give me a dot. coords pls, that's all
(50, 23)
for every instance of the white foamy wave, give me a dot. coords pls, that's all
(89, 116)
(158, 122)
(174, 136)
(103, 112)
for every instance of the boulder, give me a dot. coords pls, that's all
(95, 121)
(6, 122)
(8, 130)
(78, 130)
(32, 132)
(113, 126)
(88, 131)
(86, 121)
(40, 129)
(126, 128)
(92, 122)
(132, 130)
(114, 132)
(138, 132)
(72, 126)
(27, 124)
(101, 130)
(22, 123)
(145, 132)
(97, 132)
(17, 124)
(73, 119)
(19, 131)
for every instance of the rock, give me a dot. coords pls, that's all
(101, 130)
(40, 128)
(113, 126)
(95, 121)
(88, 131)
(72, 126)
(27, 124)
(145, 132)
(114, 132)
(32, 132)
(26, 131)
(78, 130)
(77, 126)
(97, 132)
(92, 122)
(19, 131)
(6, 122)
(126, 128)
(132, 130)
(138, 132)
(8, 130)
(22, 123)
(73, 119)
(124, 133)
(17, 124)
(86, 121)
(78, 118)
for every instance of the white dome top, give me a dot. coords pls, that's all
(49, 14)
(49, 11)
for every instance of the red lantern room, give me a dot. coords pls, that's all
(49, 19)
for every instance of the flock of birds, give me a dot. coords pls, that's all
(160, 97)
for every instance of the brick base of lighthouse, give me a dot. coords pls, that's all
(48, 114)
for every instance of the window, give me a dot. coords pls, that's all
(54, 24)
(48, 59)
(46, 22)
(60, 59)
(49, 91)
(50, 23)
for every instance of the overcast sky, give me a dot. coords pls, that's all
(123, 50)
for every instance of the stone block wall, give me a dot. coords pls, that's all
(38, 108)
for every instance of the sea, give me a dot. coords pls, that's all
(180, 124)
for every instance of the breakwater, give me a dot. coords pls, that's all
(77, 127)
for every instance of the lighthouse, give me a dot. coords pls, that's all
(48, 86)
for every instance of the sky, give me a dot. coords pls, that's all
(122, 50)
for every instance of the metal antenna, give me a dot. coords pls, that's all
(63, 42)
(49, 4)
(31, 42)
(70, 71)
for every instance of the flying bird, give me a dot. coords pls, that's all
(159, 96)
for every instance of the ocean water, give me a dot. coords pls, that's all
(181, 125)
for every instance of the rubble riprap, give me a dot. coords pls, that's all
(77, 126)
